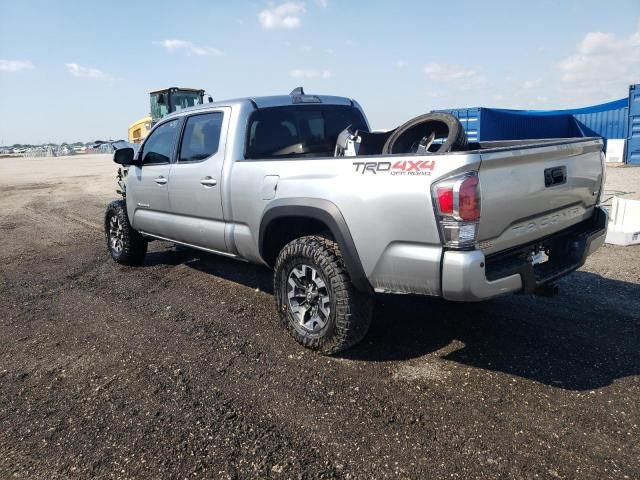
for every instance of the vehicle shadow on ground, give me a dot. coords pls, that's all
(577, 340)
(574, 341)
(247, 274)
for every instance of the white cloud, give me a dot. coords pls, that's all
(456, 78)
(602, 64)
(401, 64)
(529, 84)
(286, 15)
(441, 72)
(15, 65)
(322, 3)
(300, 73)
(174, 45)
(600, 68)
(89, 72)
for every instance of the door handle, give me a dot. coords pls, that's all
(160, 180)
(208, 182)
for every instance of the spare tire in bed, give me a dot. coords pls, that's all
(437, 132)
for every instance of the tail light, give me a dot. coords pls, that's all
(457, 201)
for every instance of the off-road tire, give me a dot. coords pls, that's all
(134, 245)
(350, 311)
(412, 131)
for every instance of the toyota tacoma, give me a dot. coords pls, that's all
(299, 183)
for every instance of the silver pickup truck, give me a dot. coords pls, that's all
(257, 179)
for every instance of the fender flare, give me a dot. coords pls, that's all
(327, 213)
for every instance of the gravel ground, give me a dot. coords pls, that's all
(180, 369)
(623, 181)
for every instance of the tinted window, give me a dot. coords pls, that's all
(161, 143)
(201, 137)
(299, 130)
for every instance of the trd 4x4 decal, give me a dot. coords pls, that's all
(400, 167)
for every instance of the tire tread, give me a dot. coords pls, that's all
(353, 308)
(134, 244)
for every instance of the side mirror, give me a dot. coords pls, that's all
(124, 156)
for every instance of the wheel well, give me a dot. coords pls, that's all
(282, 230)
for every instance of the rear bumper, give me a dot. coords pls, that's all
(469, 276)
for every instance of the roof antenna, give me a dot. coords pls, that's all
(297, 91)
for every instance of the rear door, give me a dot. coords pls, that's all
(532, 192)
(195, 189)
(147, 185)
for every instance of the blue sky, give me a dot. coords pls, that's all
(81, 70)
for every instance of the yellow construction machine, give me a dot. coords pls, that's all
(163, 102)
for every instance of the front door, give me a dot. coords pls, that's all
(148, 185)
(194, 191)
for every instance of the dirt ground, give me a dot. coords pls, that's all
(180, 369)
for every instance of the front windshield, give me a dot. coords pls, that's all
(182, 100)
(172, 102)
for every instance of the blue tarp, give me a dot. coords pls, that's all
(606, 120)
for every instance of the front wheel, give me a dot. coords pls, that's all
(125, 245)
(315, 298)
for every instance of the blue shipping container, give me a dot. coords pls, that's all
(607, 120)
(632, 150)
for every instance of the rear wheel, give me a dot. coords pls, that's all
(315, 298)
(125, 245)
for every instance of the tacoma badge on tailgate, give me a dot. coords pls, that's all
(547, 221)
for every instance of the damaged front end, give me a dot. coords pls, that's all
(121, 180)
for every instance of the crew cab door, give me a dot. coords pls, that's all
(147, 185)
(195, 198)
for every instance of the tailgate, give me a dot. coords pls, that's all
(534, 191)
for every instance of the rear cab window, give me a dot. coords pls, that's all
(299, 130)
